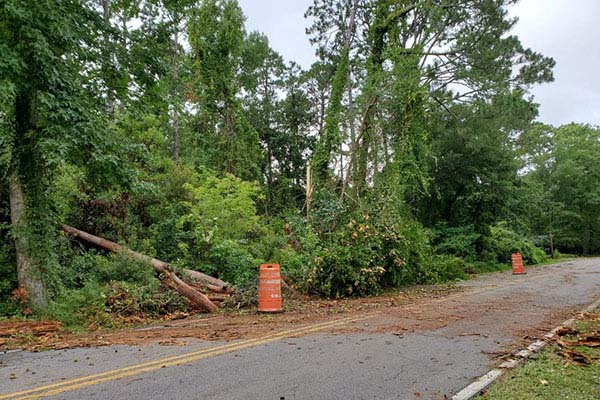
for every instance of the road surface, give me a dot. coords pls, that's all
(422, 350)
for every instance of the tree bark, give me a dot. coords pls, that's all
(28, 272)
(206, 279)
(164, 270)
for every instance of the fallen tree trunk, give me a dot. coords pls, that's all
(206, 279)
(164, 270)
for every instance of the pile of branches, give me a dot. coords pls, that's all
(567, 340)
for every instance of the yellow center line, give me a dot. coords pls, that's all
(120, 373)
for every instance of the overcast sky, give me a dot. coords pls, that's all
(567, 30)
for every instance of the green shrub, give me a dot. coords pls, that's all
(366, 255)
(128, 299)
(76, 308)
(232, 262)
(456, 241)
(79, 267)
(503, 242)
(10, 308)
(406, 246)
(221, 233)
(342, 269)
(297, 252)
(328, 212)
(222, 208)
(294, 265)
(443, 268)
(482, 267)
(117, 267)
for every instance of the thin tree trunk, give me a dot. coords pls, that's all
(330, 139)
(267, 116)
(345, 177)
(175, 94)
(175, 137)
(28, 271)
(309, 189)
(110, 100)
(124, 35)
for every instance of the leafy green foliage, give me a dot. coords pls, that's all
(92, 288)
(377, 247)
(503, 242)
(560, 191)
(227, 140)
(8, 274)
(225, 231)
(460, 242)
(75, 308)
(443, 268)
(223, 208)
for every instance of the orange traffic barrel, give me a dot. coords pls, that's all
(517, 264)
(269, 288)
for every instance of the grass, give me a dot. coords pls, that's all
(549, 377)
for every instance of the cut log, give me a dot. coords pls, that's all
(165, 272)
(208, 288)
(217, 289)
(207, 279)
(218, 296)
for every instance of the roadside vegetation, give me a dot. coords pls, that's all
(567, 369)
(408, 153)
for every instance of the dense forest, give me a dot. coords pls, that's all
(408, 153)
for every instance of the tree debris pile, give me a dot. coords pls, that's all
(15, 329)
(578, 345)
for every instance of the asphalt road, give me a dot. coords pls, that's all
(421, 351)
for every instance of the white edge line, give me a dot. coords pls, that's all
(484, 381)
(3, 352)
(479, 385)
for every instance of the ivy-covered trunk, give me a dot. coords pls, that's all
(28, 268)
(28, 271)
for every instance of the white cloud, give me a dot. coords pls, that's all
(567, 30)
(283, 22)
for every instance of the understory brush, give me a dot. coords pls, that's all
(196, 220)
(101, 290)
